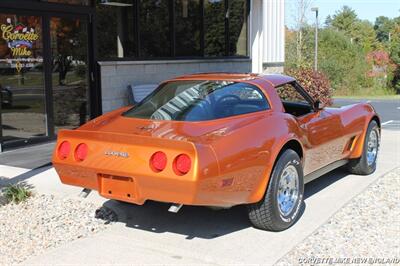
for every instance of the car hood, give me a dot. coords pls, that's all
(201, 131)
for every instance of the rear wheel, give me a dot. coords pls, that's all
(366, 164)
(280, 206)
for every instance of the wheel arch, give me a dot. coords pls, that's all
(292, 144)
(358, 147)
(377, 120)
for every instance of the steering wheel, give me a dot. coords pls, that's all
(222, 105)
(223, 98)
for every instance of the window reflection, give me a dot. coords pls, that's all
(214, 28)
(71, 2)
(115, 29)
(154, 28)
(238, 27)
(22, 96)
(148, 29)
(200, 101)
(187, 27)
(70, 72)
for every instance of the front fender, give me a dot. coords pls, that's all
(367, 112)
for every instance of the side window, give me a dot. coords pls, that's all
(293, 102)
(288, 93)
(244, 92)
(237, 99)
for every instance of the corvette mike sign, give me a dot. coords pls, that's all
(19, 39)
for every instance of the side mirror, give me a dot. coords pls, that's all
(318, 105)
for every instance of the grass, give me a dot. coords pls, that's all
(17, 193)
(367, 93)
(369, 97)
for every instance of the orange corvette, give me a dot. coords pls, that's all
(220, 140)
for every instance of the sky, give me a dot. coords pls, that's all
(365, 9)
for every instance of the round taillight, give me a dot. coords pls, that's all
(81, 152)
(64, 149)
(182, 164)
(158, 161)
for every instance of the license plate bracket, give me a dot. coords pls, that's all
(118, 187)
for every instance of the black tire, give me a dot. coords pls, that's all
(266, 213)
(360, 165)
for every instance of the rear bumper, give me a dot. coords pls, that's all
(130, 178)
(138, 189)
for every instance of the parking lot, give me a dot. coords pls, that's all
(198, 235)
(388, 110)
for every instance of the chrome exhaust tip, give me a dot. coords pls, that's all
(175, 207)
(85, 192)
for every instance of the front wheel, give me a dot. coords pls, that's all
(366, 164)
(281, 204)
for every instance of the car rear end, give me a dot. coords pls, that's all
(162, 149)
(129, 168)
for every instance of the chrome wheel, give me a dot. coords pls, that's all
(288, 190)
(372, 148)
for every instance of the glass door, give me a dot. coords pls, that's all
(44, 76)
(22, 86)
(70, 79)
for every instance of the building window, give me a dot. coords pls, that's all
(154, 28)
(187, 28)
(214, 28)
(238, 27)
(71, 2)
(151, 29)
(115, 32)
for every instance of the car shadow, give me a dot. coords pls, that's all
(201, 222)
(324, 181)
(191, 221)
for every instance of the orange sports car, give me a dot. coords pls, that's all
(220, 140)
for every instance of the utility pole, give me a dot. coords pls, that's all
(315, 9)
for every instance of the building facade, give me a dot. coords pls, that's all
(63, 62)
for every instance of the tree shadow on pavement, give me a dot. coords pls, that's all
(25, 176)
(191, 221)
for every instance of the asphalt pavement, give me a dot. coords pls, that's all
(388, 109)
(30, 157)
(149, 234)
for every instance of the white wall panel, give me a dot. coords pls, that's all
(274, 31)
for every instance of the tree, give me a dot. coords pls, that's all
(363, 34)
(302, 7)
(342, 61)
(344, 19)
(350, 51)
(383, 27)
(328, 21)
(394, 49)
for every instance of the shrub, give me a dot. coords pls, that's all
(342, 61)
(314, 82)
(17, 193)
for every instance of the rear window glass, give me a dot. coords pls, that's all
(199, 101)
